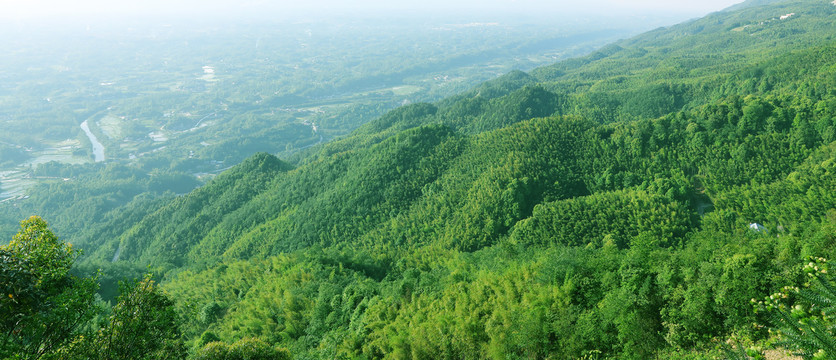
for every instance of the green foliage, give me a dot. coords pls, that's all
(244, 349)
(602, 207)
(42, 305)
(553, 236)
(11, 155)
(144, 325)
(46, 311)
(803, 317)
(611, 217)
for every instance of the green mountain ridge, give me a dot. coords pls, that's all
(600, 206)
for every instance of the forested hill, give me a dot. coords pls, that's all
(596, 208)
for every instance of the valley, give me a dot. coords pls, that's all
(666, 195)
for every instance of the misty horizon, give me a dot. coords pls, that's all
(53, 11)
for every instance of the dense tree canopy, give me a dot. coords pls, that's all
(629, 204)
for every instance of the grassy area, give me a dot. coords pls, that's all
(111, 126)
(406, 90)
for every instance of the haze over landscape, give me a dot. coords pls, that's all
(17, 9)
(368, 179)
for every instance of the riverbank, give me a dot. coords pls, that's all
(98, 148)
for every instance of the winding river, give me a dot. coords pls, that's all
(98, 148)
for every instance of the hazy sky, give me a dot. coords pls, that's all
(27, 9)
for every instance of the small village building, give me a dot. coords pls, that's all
(757, 227)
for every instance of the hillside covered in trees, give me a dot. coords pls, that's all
(629, 204)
